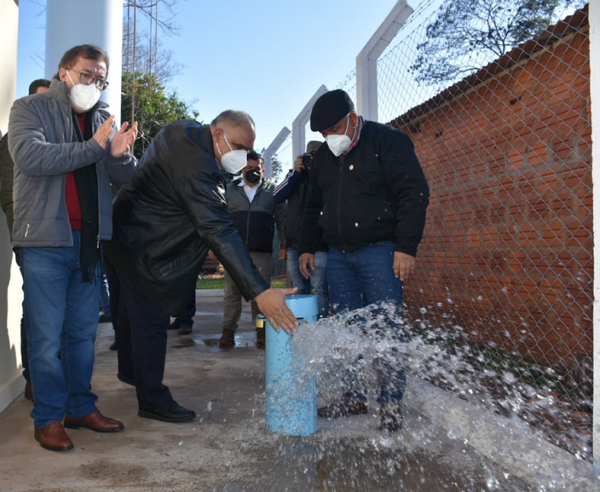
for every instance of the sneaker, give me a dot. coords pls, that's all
(391, 418)
(345, 407)
(185, 330)
(174, 326)
(227, 340)
(260, 338)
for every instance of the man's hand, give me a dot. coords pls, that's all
(283, 254)
(404, 265)
(272, 305)
(122, 142)
(298, 166)
(306, 263)
(104, 131)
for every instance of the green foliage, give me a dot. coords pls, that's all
(467, 34)
(155, 107)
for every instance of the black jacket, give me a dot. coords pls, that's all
(376, 192)
(256, 221)
(294, 189)
(170, 215)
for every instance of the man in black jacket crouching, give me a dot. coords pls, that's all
(165, 222)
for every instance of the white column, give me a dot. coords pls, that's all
(11, 295)
(594, 19)
(366, 61)
(299, 124)
(272, 150)
(73, 22)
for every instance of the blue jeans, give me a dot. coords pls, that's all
(62, 318)
(361, 278)
(316, 284)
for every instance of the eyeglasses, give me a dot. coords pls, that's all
(87, 79)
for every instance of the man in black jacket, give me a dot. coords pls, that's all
(165, 221)
(368, 194)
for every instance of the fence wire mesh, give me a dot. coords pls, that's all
(505, 268)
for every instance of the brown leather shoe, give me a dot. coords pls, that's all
(28, 391)
(174, 326)
(391, 418)
(227, 339)
(53, 437)
(95, 421)
(345, 407)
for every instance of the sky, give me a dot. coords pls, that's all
(266, 57)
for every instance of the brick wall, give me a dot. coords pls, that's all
(507, 250)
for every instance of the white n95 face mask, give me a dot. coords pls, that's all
(84, 97)
(338, 144)
(234, 160)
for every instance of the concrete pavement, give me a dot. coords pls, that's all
(227, 447)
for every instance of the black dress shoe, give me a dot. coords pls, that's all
(169, 412)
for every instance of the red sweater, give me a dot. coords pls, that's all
(71, 195)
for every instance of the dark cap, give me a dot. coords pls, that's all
(330, 108)
(313, 145)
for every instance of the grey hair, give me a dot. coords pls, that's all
(233, 118)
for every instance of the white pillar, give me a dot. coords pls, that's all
(594, 19)
(11, 295)
(366, 61)
(100, 22)
(299, 124)
(272, 150)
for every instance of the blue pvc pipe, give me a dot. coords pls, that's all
(291, 406)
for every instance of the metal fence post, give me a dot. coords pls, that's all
(594, 19)
(272, 150)
(366, 61)
(299, 124)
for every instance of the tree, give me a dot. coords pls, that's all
(154, 108)
(466, 34)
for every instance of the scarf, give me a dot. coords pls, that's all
(86, 182)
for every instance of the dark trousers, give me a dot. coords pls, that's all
(114, 289)
(142, 335)
(188, 318)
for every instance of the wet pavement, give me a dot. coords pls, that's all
(227, 447)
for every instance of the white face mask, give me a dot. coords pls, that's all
(83, 97)
(234, 160)
(338, 144)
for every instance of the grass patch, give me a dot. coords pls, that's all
(219, 283)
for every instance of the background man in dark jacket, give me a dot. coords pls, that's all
(7, 171)
(255, 214)
(165, 222)
(293, 190)
(368, 194)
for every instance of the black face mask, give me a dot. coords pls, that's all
(252, 176)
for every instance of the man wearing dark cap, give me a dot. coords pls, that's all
(368, 194)
(294, 189)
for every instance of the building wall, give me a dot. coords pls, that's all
(11, 382)
(507, 250)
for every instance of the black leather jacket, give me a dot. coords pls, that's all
(170, 215)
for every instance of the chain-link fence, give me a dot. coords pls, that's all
(506, 265)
